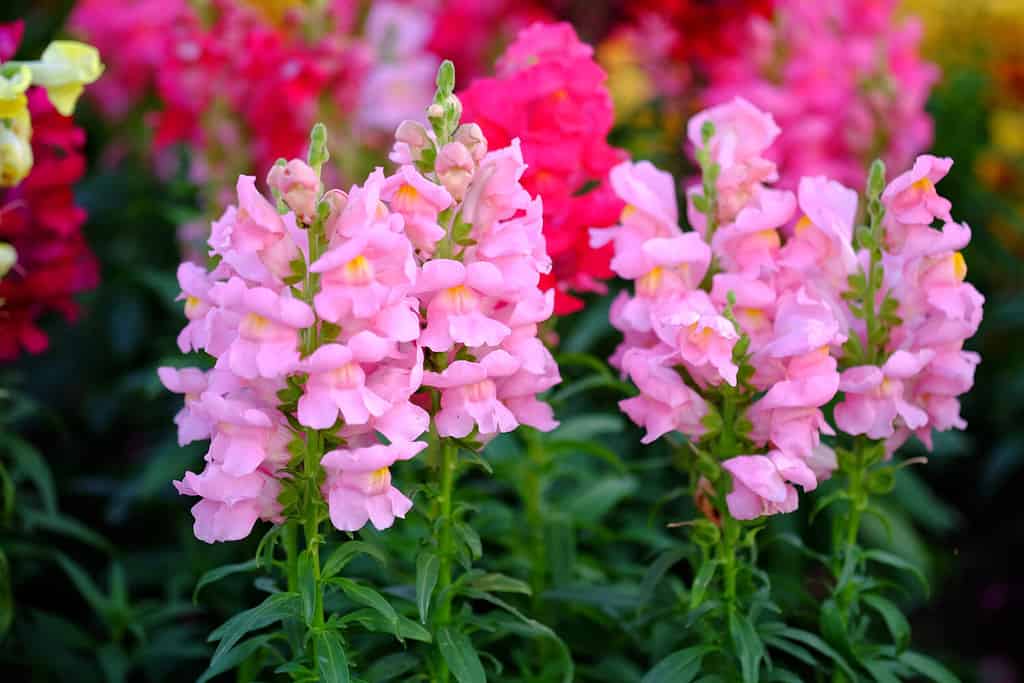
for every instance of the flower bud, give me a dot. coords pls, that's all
(470, 135)
(8, 257)
(15, 157)
(455, 168)
(411, 140)
(298, 186)
(337, 201)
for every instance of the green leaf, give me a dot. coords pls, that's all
(749, 648)
(370, 598)
(897, 562)
(470, 538)
(701, 582)
(499, 583)
(331, 662)
(597, 500)
(346, 552)
(219, 573)
(656, 571)
(461, 657)
(86, 588)
(928, 667)
(307, 586)
(64, 526)
(833, 628)
(427, 566)
(390, 667)
(783, 676)
(276, 607)
(679, 667)
(372, 620)
(815, 643)
(792, 649)
(880, 671)
(897, 624)
(239, 654)
(31, 464)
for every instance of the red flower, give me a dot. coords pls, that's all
(551, 95)
(40, 219)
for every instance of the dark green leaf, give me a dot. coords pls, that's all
(346, 552)
(28, 462)
(748, 646)
(276, 607)
(219, 573)
(372, 620)
(460, 655)
(815, 643)
(370, 598)
(928, 667)
(679, 667)
(598, 499)
(701, 582)
(499, 583)
(897, 624)
(331, 662)
(64, 526)
(427, 566)
(390, 667)
(85, 585)
(880, 671)
(307, 586)
(238, 654)
(897, 562)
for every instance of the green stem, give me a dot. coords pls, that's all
(727, 549)
(533, 466)
(446, 551)
(291, 553)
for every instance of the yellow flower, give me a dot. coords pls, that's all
(64, 69)
(1007, 129)
(15, 157)
(8, 257)
(14, 81)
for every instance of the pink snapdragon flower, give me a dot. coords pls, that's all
(470, 395)
(230, 505)
(267, 344)
(763, 484)
(461, 302)
(358, 486)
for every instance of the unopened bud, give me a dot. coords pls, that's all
(8, 257)
(336, 201)
(298, 185)
(435, 111)
(15, 157)
(411, 140)
(470, 135)
(455, 166)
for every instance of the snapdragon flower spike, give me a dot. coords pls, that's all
(759, 340)
(337, 315)
(913, 387)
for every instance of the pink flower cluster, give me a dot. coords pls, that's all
(915, 389)
(414, 289)
(549, 92)
(779, 264)
(843, 79)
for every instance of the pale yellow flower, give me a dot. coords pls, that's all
(14, 81)
(15, 157)
(64, 69)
